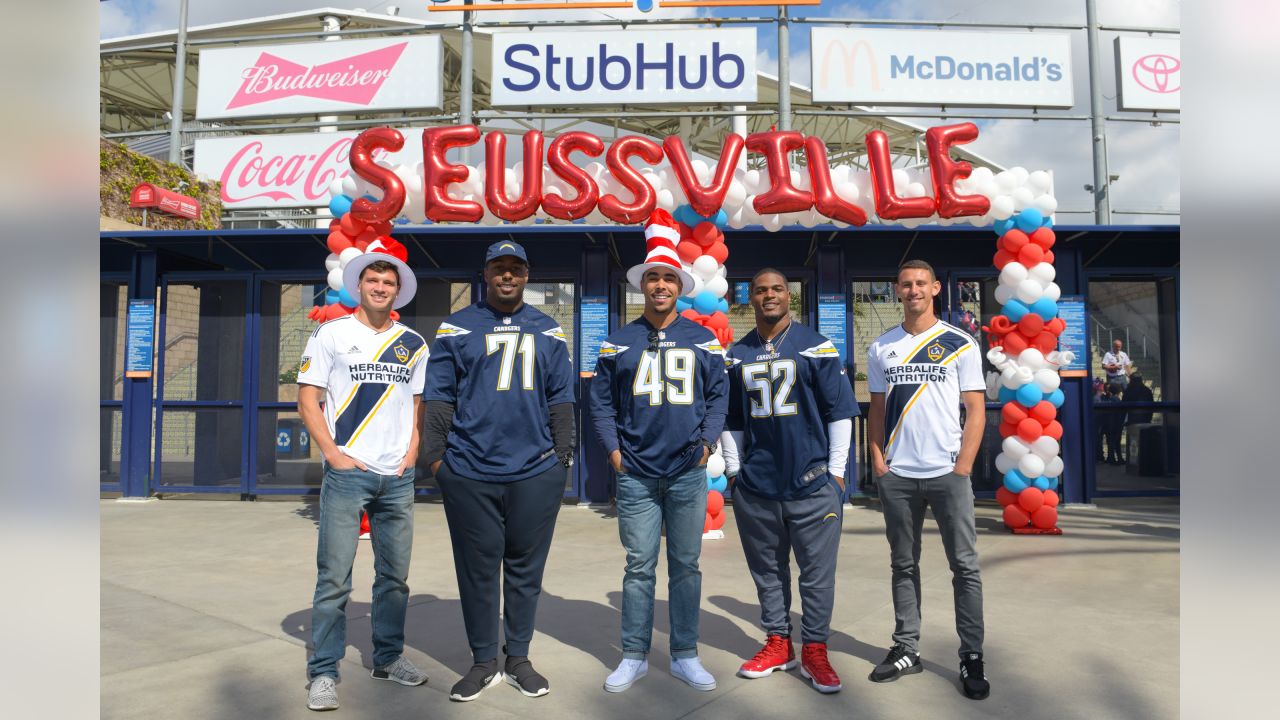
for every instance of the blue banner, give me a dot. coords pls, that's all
(593, 328)
(1072, 311)
(140, 335)
(833, 321)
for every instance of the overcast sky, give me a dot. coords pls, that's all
(1145, 157)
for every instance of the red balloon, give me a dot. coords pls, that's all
(946, 171)
(1043, 237)
(1029, 430)
(1045, 518)
(715, 503)
(1015, 517)
(1031, 255)
(1005, 497)
(1014, 344)
(1030, 499)
(782, 196)
(351, 225)
(684, 230)
(1000, 325)
(717, 521)
(825, 198)
(691, 314)
(888, 205)
(1050, 498)
(644, 198)
(704, 200)
(706, 523)
(382, 227)
(1030, 325)
(1054, 430)
(379, 138)
(719, 251)
(495, 176)
(1008, 429)
(706, 234)
(338, 242)
(688, 250)
(1048, 257)
(1013, 413)
(1044, 412)
(1056, 326)
(363, 239)
(336, 223)
(439, 173)
(1013, 240)
(718, 321)
(588, 193)
(1045, 342)
(1003, 257)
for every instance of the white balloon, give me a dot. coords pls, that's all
(736, 194)
(717, 286)
(715, 466)
(1004, 463)
(1053, 292)
(914, 190)
(1022, 198)
(772, 222)
(1053, 467)
(1046, 447)
(1046, 379)
(335, 278)
(666, 200)
(736, 220)
(722, 271)
(1029, 291)
(1009, 377)
(810, 219)
(705, 266)
(1024, 375)
(1015, 447)
(1020, 175)
(1005, 182)
(751, 182)
(697, 287)
(901, 180)
(1031, 465)
(1044, 273)
(1004, 293)
(1013, 273)
(981, 174)
(349, 186)
(1040, 181)
(1046, 204)
(1002, 207)
(331, 262)
(335, 188)
(1031, 359)
(703, 172)
(847, 191)
(348, 255)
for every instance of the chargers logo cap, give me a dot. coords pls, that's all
(505, 247)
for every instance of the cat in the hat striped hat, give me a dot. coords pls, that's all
(661, 239)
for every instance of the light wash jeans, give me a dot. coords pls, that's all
(389, 501)
(644, 506)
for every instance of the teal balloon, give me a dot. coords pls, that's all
(705, 303)
(1052, 482)
(1044, 307)
(1015, 309)
(1056, 398)
(721, 219)
(1029, 220)
(1041, 483)
(1015, 482)
(683, 303)
(722, 305)
(719, 483)
(1029, 395)
(345, 299)
(1007, 395)
(340, 205)
(1002, 226)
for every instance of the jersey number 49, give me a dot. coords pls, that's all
(656, 369)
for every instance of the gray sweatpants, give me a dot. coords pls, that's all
(951, 497)
(770, 530)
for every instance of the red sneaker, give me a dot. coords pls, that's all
(777, 654)
(814, 666)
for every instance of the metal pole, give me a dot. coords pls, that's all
(784, 71)
(179, 85)
(1101, 176)
(464, 80)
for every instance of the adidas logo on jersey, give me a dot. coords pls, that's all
(354, 349)
(892, 354)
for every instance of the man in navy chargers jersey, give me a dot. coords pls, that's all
(787, 440)
(919, 373)
(499, 435)
(658, 403)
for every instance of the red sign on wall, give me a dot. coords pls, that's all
(146, 195)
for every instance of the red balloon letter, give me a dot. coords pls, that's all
(495, 176)
(783, 197)
(437, 173)
(824, 195)
(946, 171)
(578, 179)
(362, 163)
(888, 205)
(704, 200)
(645, 200)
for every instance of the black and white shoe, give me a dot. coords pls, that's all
(900, 661)
(973, 677)
(480, 677)
(521, 675)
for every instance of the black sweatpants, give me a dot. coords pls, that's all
(500, 526)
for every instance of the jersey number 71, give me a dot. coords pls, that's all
(512, 344)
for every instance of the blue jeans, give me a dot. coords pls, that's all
(389, 501)
(644, 506)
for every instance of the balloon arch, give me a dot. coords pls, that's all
(704, 201)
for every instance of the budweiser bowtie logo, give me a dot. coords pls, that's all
(354, 80)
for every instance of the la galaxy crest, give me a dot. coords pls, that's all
(306, 363)
(402, 352)
(935, 351)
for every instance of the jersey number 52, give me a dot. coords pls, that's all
(759, 379)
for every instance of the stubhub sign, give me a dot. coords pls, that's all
(625, 66)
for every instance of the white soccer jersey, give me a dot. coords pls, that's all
(922, 377)
(369, 379)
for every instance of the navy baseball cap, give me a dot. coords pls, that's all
(505, 247)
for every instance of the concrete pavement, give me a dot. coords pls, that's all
(205, 612)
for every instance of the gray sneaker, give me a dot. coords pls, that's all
(400, 670)
(323, 694)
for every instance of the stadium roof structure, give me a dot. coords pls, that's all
(136, 90)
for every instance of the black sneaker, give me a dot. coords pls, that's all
(521, 675)
(478, 678)
(900, 661)
(973, 679)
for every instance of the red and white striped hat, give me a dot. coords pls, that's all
(661, 239)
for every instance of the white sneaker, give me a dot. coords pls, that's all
(323, 694)
(691, 671)
(628, 672)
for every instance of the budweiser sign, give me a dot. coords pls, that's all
(279, 171)
(146, 195)
(323, 77)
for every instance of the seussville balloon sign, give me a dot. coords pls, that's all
(700, 201)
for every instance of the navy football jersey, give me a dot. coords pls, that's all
(502, 372)
(782, 402)
(658, 407)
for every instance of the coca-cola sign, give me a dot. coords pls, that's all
(279, 171)
(323, 77)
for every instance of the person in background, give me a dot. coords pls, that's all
(1116, 364)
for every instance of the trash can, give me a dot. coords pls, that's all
(292, 440)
